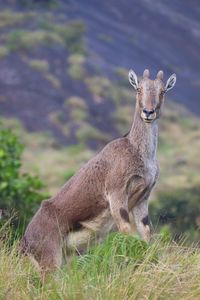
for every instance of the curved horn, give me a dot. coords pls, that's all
(160, 75)
(146, 73)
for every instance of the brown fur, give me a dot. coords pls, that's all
(117, 181)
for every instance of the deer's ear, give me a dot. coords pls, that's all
(133, 79)
(170, 82)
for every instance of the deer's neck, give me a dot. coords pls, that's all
(144, 136)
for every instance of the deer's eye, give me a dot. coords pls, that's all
(139, 90)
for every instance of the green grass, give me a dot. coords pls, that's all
(123, 267)
(116, 250)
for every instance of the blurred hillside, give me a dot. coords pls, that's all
(64, 86)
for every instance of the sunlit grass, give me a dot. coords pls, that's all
(123, 267)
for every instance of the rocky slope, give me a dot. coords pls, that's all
(44, 61)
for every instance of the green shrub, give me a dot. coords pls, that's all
(76, 71)
(19, 192)
(40, 65)
(78, 115)
(69, 35)
(78, 108)
(97, 85)
(76, 102)
(76, 58)
(72, 35)
(180, 210)
(22, 40)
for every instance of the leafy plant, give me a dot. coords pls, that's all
(19, 192)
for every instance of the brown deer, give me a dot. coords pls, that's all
(113, 185)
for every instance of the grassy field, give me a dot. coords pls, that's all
(127, 268)
(122, 267)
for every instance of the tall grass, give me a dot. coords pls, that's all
(122, 267)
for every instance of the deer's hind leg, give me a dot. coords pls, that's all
(119, 210)
(140, 213)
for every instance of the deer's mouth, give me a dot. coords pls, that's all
(148, 116)
(146, 120)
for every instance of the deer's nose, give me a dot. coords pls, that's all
(148, 112)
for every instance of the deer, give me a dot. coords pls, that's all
(111, 189)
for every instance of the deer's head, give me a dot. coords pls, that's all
(150, 93)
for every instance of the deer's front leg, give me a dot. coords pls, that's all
(140, 213)
(119, 210)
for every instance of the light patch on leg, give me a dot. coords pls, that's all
(144, 231)
(132, 223)
(98, 222)
(79, 239)
(147, 233)
(93, 230)
(125, 228)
